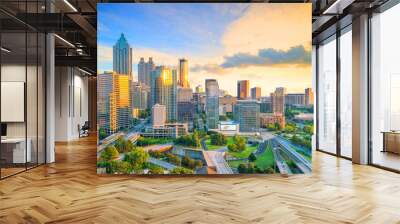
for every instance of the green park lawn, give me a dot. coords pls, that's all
(266, 159)
(245, 153)
(229, 140)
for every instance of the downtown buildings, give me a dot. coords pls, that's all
(243, 89)
(212, 103)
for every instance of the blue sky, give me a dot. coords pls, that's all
(264, 43)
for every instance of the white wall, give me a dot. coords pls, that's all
(71, 103)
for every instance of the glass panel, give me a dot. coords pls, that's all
(346, 94)
(386, 89)
(41, 99)
(31, 98)
(13, 86)
(327, 96)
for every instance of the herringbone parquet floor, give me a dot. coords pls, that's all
(69, 191)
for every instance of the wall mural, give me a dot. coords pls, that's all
(204, 88)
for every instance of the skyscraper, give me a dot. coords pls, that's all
(185, 106)
(123, 101)
(158, 115)
(212, 103)
(255, 93)
(309, 96)
(122, 57)
(106, 106)
(183, 73)
(243, 89)
(278, 100)
(294, 99)
(164, 90)
(247, 114)
(144, 71)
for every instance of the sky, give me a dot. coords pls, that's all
(267, 44)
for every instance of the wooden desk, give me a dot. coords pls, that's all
(13, 150)
(391, 142)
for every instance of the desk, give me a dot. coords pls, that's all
(391, 141)
(13, 150)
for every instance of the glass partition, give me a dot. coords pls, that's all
(385, 89)
(22, 88)
(327, 95)
(346, 93)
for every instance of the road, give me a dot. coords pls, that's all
(219, 161)
(280, 162)
(303, 164)
(161, 163)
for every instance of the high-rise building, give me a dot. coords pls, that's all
(247, 114)
(226, 104)
(243, 89)
(309, 96)
(106, 106)
(122, 57)
(294, 99)
(123, 101)
(265, 105)
(144, 71)
(256, 93)
(158, 115)
(185, 104)
(139, 96)
(212, 103)
(114, 102)
(183, 72)
(164, 90)
(278, 100)
(184, 94)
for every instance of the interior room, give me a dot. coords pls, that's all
(55, 126)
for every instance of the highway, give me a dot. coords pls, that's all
(303, 164)
(280, 162)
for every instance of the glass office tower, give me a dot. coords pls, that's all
(164, 90)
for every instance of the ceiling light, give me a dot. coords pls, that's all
(5, 50)
(70, 5)
(84, 71)
(64, 40)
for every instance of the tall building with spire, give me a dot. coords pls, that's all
(122, 57)
(184, 73)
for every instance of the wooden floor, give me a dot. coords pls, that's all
(69, 191)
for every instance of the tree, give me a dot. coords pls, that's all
(309, 129)
(121, 167)
(277, 126)
(137, 158)
(191, 164)
(269, 170)
(242, 168)
(218, 139)
(156, 154)
(173, 159)
(198, 164)
(232, 148)
(109, 153)
(156, 170)
(290, 128)
(251, 168)
(102, 133)
(181, 170)
(123, 145)
(252, 157)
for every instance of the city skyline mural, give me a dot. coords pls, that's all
(202, 88)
